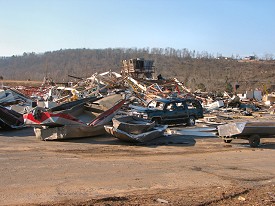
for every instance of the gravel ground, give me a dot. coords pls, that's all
(198, 170)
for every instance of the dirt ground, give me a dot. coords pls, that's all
(14, 83)
(105, 171)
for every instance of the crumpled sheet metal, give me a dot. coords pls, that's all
(68, 132)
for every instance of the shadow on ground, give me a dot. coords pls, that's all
(23, 132)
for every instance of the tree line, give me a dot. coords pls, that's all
(196, 69)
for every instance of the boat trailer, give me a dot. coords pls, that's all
(252, 131)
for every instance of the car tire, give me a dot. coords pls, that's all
(191, 121)
(254, 140)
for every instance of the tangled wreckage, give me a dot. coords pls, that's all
(85, 119)
(132, 106)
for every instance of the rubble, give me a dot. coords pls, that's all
(10, 119)
(84, 119)
(136, 82)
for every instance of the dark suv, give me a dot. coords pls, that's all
(171, 111)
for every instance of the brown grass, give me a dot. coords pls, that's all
(13, 83)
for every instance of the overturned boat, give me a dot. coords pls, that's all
(84, 119)
(135, 129)
(132, 124)
(154, 133)
(10, 119)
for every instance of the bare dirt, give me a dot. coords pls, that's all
(14, 83)
(106, 171)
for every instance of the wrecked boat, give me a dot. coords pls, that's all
(252, 131)
(132, 124)
(154, 133)
(82, 120)
(135, 129)
(10, 119)
(67, 132)
(60, 115)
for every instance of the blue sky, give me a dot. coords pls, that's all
(228, 27)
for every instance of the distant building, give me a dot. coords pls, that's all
(250, 58)
(138, 68)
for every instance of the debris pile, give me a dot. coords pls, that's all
(57, 109)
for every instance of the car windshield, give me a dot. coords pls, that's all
(156, 105)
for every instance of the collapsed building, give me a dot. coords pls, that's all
(138, 68)
(136, 81)
(136, 78)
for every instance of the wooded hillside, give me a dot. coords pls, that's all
(195, 69)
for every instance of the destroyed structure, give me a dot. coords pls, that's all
(138, 68)
(83, 108)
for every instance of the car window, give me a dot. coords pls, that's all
(171, 107)
(180, 105)
(156, 105)
(159, 105)
(152, 104)
(190, 105)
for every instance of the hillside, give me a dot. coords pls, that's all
(196, 70)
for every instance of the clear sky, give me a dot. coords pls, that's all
(243, 27)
